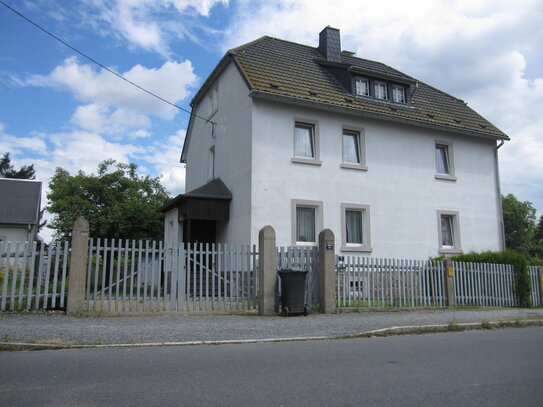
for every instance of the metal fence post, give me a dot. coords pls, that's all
(267, 270)
(448, 280)
(78, 267)
(327, 272)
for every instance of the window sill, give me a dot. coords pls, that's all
(360, 248)
(352, 166)
(445, 177)
(301, 160)
(450, 251)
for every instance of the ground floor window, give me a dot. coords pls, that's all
(306, 221)
(355, 219)
(449, 232)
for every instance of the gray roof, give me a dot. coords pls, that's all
(19, 201)
(214, 189)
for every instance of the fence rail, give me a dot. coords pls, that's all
(33, 276)
(145, 276)
(378, 283)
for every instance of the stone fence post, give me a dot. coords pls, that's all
(267, 271)
(327, 272)
(78, 267)
(540, 279)
(448, 280)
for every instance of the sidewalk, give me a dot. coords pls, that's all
(59, 328)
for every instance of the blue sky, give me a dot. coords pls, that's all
(59, 109)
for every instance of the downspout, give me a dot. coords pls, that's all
(501, 225)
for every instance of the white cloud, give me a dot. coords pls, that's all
(486, 52)
(100, 118)
(165, 158)
(16, 145)
(172, 81)
(148, 24)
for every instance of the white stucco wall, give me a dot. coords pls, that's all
(399, 186)
(14, 234)
(232, 141)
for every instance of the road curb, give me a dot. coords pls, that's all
(388, 331)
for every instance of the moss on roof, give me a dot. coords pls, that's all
(292, 70)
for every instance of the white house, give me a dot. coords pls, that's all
(19, 209)
(305, 138)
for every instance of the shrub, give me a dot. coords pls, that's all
(523, 285)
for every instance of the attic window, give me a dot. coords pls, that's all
(362, 86)
(398, 94)
(381, 91)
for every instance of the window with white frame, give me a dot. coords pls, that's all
(306, 221)
(381, 90)
(355, 219)
(449, 232)
(353, 150)
(351, 147)
(398, 94)
(306, 144)
(362, 86)
(444, 161)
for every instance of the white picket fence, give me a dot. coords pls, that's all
(144, 276)
(536, 294)
(484, 284)
(32, 276)
(379, 283)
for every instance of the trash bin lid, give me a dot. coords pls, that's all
(293, 270)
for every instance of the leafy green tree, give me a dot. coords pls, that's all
(519, 222)
(7, 170)
(117, 202)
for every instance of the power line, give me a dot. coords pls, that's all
(102, 65)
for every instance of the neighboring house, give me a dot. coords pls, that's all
(19, 209)
(305, 138)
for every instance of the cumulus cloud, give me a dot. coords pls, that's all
(14, 145)
(164, 156)
(101, 118)
(148, 24)
(477, 51)
(172, 81)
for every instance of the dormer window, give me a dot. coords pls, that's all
(381, 90)
(398, 94)
(362, 87)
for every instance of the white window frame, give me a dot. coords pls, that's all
(376, 93)
(361, 79)
(314, 125)
(304, 203)
(365, 246)
(361, 148)
(456, 247)
(450, 176)
(402, 89)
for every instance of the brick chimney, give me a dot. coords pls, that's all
(330, 44)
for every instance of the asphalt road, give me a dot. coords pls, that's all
(500, 367)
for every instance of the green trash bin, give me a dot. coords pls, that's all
(293, 292)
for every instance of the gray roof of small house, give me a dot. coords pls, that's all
(214, 189)
(19, 201)
(285, 70)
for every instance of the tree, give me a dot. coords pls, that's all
(7, 170)
(116, 201)
(519, 223)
